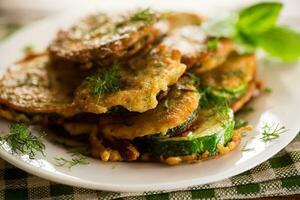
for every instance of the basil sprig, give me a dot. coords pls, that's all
(256, 27)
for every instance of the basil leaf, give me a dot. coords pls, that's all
(281, 42)
(244, 44)
(224, 26)
(259, 18)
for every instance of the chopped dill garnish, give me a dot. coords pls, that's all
(267, 90)
(29, 48)
(195, 79)
(246, 109)
(109, 81)
(76, 159)
(145, 15)
(239, 123)
(271, 132)
(247, 149)
(166, 104)
(212, 44)
(159, 64)
(22, 142)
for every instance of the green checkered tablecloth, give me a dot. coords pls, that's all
(278, 176)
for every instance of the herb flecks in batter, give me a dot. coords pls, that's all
(109, 81)
(145, 15)
(22, 142)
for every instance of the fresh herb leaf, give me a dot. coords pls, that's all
(76, 159)
(239, 123)
(145, 15)
(271, 132)
(281, 42)
(247, 149)
(22, 141)
(166, 104)
(267, 90)
(109, 81)
(28, 48)
(194, 79)
(9, 29)
(246, 109)
(255, 27)
(212, 44)
(259, 18)
(224, 26)
(159, 64)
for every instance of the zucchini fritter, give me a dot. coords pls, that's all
(231, 79)
(139, 82)
(99, 36)
(172, 111)
(187, 35)
(35, 85)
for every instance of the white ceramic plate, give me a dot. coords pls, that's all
(281, 106)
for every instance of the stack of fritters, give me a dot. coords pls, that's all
(142, 86)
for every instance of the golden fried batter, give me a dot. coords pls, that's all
(180, 103)
(100, 36)
(187, 35)
(237, 70)
(142, 79)
(35, 85)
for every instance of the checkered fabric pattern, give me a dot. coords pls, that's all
(278, 176)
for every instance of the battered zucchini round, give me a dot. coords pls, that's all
(100, 36)
(231, 79)
(139, 82)
(208, 130)
(173, 114)
(186, 34)
(34, 84)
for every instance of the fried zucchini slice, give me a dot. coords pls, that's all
(208, 130)
(231, 79)
(35, 85)
(173, 114)
(101, 36)
(140, 81)
(237, 104)
(186, 34)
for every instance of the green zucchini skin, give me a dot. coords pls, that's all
(184, 125)
(231, 79)
(214, 128)
(231, 93)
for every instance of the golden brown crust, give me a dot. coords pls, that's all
(141, 81)
(186, 34)
(237, 70)
(100, 36)
(182, 102)
(208, 60)
(36, 85)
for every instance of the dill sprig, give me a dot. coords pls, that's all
(271, 132)
(212, 44)
(29, 48)
(22, 141)
(195, 80)
(76, 159)
(108, 81)
(166, 104)
(239, 123)
(145, 15)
